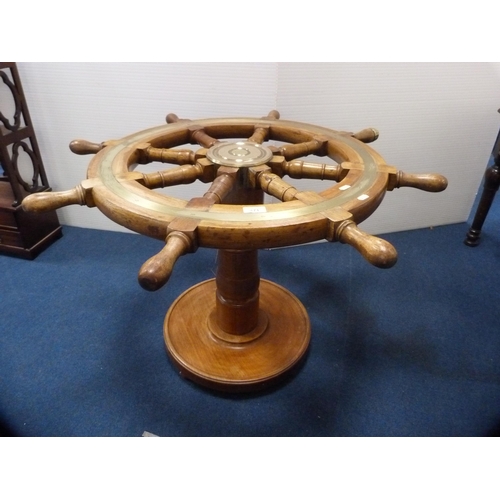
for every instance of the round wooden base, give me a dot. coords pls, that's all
(231, 363)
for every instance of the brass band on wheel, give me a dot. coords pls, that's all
(239, 154)
(362, 188)
(231, 213)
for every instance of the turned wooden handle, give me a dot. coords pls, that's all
(366, 135)
(275, 186)
(273, 115)
(375, 250)
(433, 183)
(156, 271)
(47, 201)
(172, 118)
(82, 147)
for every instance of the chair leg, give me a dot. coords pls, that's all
(490, 188)
(491, 184)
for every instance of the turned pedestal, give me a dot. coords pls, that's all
(236, 332)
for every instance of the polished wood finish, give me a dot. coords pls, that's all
(425, 182)
(156, 271)
(252, 361)
(22, 234)
(376, 251)
(237, 297)
(238, 332)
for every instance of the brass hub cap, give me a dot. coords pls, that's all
(239, 154)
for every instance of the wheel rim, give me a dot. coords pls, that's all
(359, 192)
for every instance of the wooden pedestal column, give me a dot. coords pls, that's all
(236, 332)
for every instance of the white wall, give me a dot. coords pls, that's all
(431, 117)
(101, 101)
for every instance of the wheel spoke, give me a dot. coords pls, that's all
(260, 135)
(185, 174)
(272, 115)
(202, 170)
(173, 118)
(315, 146)
(274, 185)
(83, 147)
(166, 155)
(222, 185)
(366, 135)
(308, 170)
(199, 136)
(197, 133)
(434, 183)
(375, 250)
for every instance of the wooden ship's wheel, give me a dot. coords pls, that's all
(238, 332)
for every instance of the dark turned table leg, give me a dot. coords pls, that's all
(491, 185)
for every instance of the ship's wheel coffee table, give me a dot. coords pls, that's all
(238, 332)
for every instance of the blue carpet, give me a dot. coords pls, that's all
(409, 351)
